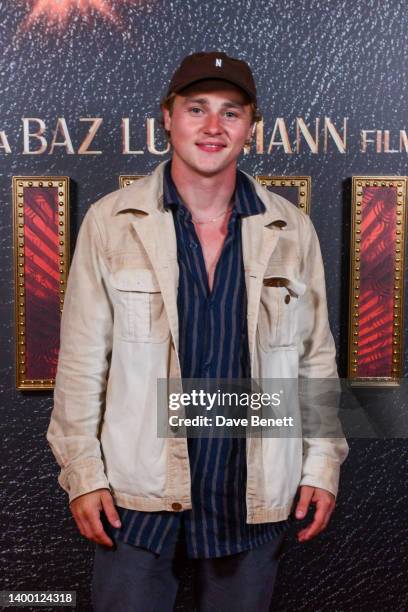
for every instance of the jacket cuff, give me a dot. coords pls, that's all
(84, 477)
(322, 473)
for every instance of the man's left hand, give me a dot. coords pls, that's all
(324, 501)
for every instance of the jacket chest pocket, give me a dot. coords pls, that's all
(139, 311)
(278, 311)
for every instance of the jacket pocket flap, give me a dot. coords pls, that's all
(291, 283)
(131, 279)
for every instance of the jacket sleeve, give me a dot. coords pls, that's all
(80, 386)
(324, 445)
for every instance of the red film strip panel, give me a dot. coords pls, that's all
(377, 281)
(41, 240)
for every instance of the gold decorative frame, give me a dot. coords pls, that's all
(25, 240)
(127, 179)
(302, 183)
(399, 185)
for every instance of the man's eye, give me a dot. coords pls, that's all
(195, 110)
(231, 114)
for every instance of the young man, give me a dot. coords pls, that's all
(193, 272)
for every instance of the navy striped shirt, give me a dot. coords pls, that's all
(213, 343)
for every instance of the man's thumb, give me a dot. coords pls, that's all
(109, 509)
(304, 501)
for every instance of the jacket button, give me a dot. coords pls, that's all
(176, 506)
(174, 428)
(287, 298)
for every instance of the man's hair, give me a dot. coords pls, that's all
(168, 102)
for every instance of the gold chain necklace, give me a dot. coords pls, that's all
(212, 219)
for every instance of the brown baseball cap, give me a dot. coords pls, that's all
(213, 65)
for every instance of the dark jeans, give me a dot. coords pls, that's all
(132, 579)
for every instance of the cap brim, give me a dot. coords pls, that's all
(211, 77)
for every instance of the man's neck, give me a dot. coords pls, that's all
(204, 195)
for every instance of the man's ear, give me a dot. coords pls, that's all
(166, 118)
(251, 132)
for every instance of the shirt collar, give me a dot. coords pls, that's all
(246, 200)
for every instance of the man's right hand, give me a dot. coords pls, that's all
(86, 510)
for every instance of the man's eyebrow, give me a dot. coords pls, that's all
(229, 104)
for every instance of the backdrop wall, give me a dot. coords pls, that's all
(341, 60)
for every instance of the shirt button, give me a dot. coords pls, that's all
(287, 298)
(176, 506)
(193, 245)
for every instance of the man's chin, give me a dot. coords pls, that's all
(202, 166)
(212, 169)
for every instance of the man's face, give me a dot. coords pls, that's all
(209, 125)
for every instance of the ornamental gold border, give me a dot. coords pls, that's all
(127, 179)
(400, 182)
(18, 187)
(303, 183)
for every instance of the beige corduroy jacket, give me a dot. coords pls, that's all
(119, 334)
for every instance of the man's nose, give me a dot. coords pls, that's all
(213, 124)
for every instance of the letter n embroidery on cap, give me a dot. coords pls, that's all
(218, 62)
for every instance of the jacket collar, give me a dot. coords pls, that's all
(146, 195)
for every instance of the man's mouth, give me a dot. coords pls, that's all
(211, 147)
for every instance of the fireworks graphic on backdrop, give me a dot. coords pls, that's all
(58, 13)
